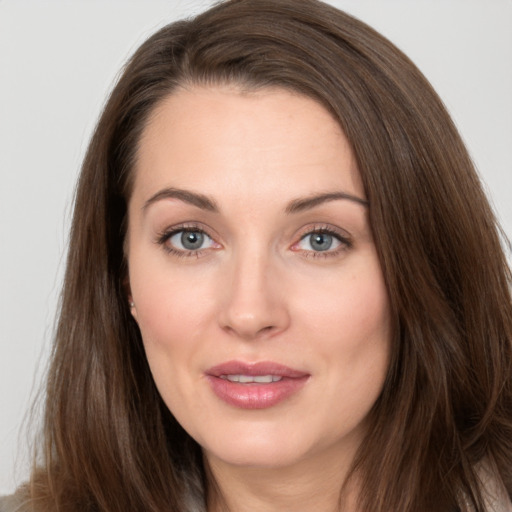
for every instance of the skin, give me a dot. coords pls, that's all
(258, 290)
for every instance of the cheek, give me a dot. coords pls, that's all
(349, 309)
(350, 327)
(348, 321)
(171, 314)
(171, 309)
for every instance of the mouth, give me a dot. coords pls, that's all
(249, 379)
(255, 385)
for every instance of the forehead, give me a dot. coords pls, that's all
(218, 139)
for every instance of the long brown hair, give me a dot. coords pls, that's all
(445, 412)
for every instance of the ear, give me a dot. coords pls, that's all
(128, 294)
(131, 305)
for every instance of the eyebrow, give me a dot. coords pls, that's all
(206, 203)
(200, 200)
(302, 204)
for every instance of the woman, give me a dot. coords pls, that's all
(285, 288)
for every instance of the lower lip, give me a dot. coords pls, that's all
(253, 395)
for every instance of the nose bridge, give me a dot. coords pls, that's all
(254, 301)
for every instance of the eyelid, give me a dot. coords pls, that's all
(162, 237)
(342, 236)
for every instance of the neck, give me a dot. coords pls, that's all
(308, 485)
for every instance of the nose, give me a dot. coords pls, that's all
(255, 304)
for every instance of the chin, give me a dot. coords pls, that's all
(256, 455)
(263, 447)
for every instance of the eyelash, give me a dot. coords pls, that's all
(165, 236)
(345, 242)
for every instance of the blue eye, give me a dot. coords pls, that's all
(188, 240)
(320, 242)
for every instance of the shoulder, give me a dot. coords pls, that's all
(8, 503)
(499, 504)
(498, 501)
(494, 492)
(15, 503)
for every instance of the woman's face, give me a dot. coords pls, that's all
(254, 276)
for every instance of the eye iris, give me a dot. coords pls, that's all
(321, 241)
(192, 240)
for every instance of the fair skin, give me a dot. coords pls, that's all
(231, 263)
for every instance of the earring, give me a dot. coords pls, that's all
(132, 304)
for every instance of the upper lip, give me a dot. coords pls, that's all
(255, 369)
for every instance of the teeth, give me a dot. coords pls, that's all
(246, 379)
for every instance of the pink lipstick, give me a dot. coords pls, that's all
(254, 385)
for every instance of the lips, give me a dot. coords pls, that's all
(255, 385)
